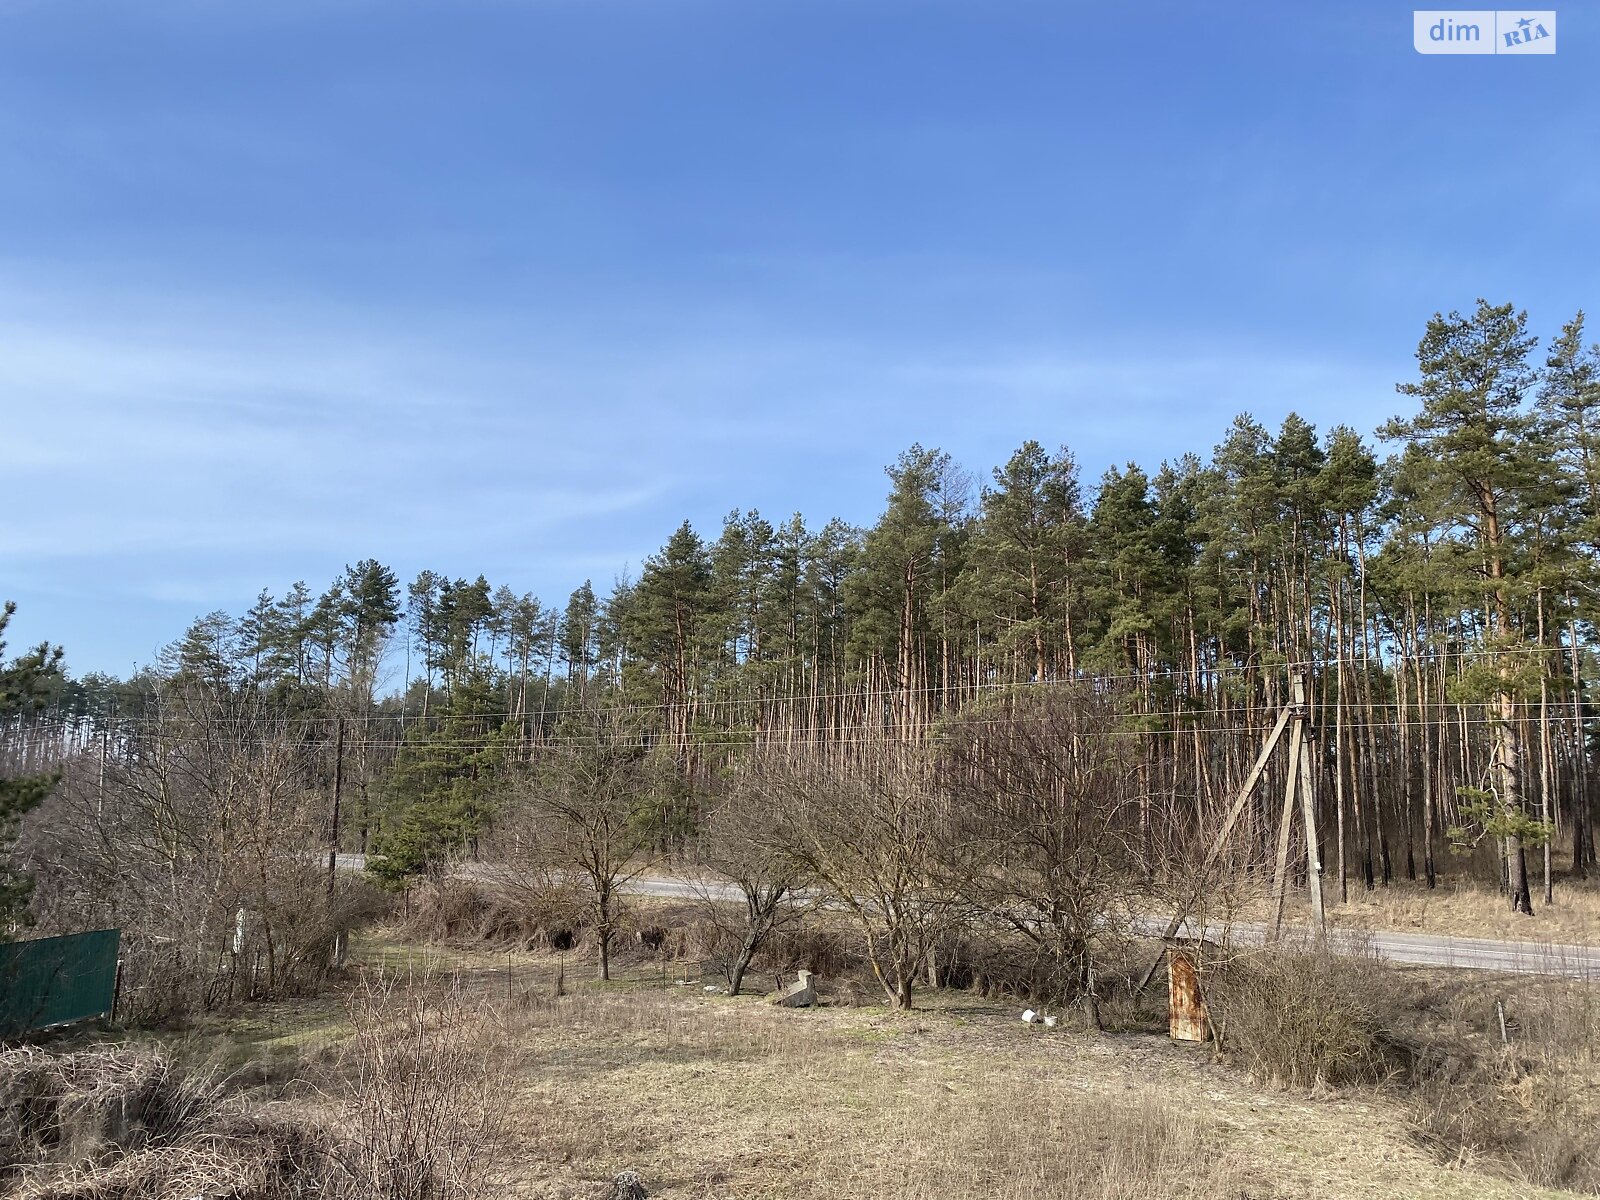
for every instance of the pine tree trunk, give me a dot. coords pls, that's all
(1509, 750)
(1580, 790)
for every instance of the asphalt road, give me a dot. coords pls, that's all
(1422, 949)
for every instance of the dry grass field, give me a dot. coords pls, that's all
(707, 1095)
(711, 1096)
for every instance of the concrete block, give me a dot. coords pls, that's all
(800, 994)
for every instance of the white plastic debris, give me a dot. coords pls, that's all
(1030, 1017)
(1049, 1022)
(711, 987)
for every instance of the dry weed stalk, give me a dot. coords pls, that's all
(424, 1081)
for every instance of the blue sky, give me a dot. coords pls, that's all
(515, 286)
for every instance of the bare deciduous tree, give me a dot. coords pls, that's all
(587, 810)
(885, 845)
(196, 844)
(1046, 787)
(738, 845)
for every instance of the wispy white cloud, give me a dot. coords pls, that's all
(179, 454)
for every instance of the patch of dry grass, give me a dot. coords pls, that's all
(123, 1123)
(409, 1106)
(1526, 1105)
(1496, 1071)
(1468, 909)
(733, 1098)
(708, 1096)
(713, 1097)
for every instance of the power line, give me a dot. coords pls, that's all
(744, 738)
(1317, 665)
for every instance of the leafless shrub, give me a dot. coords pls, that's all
(1299, 1018)
(512, 914)
(454, 911)
(195, 843)
(422, 1087)
(998, 963)
(825, 949)
(1124, 1006)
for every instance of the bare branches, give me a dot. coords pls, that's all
(424, 1081)
(588, 809)
(739, 845)
(198, 846)
(1046, 796)
(885, 846)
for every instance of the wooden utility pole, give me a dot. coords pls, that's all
(1298, 782)
(1221, 840)
(1308, 816)
(100, 792)
(1291, 790)
(338, 789)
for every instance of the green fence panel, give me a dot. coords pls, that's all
(51, 981)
